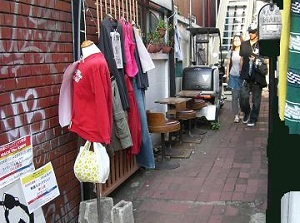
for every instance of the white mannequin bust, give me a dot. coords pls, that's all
(88, 48)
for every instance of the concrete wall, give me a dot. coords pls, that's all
(158, 87)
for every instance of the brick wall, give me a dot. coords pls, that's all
(35, 49)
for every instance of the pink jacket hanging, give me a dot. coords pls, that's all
(131, 68)
(65, 95)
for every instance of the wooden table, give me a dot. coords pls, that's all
(173, 100)
(196, 103)
(174, 104)
(188, 93)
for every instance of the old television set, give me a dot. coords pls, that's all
(201, 78)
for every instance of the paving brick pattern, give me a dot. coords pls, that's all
(223, 181)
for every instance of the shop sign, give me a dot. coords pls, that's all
(269, 22)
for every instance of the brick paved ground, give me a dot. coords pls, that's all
(223, 181)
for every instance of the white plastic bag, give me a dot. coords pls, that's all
(104, 164)
(92, 166)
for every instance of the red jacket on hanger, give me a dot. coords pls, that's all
(92, 100)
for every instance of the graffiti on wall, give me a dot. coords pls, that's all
(19, 106)
(32, 47)
(43, 32)
(14, 58)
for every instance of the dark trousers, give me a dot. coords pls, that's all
(255, 90)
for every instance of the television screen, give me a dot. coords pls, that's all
(198, 78)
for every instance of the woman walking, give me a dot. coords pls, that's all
(233, 75)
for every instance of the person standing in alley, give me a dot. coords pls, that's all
(253, 72)
(233, 75)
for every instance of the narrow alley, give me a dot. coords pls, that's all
(224, 180)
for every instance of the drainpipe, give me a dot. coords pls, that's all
(203, 12)
(172, 63)
(190, 20)
(216, 11)
(190, 25)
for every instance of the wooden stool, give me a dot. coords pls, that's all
(157, 123)
(185, 115)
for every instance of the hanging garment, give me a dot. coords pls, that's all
(145, 58)
(121, 138)
(65, 96)
(131, 68)
(284, 56)
(133, 119)
(145, 158)
(292, 106)
(92, 100)
(141, 78)
(140, 82)
(177, 40)
(177, 45)
(108, 29)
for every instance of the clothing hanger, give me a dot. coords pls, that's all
(123, 19)
(108, 15)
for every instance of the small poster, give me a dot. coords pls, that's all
(13, 207)
(16, 159)
(39, 187)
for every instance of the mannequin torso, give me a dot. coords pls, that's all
(88, 48)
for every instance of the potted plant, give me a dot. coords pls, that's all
(161, 27)
(167, 47)
(154, 42)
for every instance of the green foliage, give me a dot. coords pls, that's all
(215, 125)
(153, 37)
(161, 24)
(170, 42)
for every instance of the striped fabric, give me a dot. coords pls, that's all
(292, 105)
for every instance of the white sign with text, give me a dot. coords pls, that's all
(39, 187)
(16, 159)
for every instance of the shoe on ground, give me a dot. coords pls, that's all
(245, 119)
(236, 119)
(251, 124)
